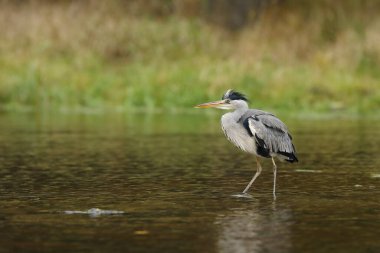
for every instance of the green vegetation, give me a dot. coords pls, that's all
(108, 56)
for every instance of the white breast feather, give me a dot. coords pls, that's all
(237, 134)
(252, 127)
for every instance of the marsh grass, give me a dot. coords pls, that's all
(65, 56)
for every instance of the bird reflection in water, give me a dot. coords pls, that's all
(255, 230)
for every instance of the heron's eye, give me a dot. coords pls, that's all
(227, 101)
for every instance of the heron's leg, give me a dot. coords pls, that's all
(255, 176)
(274, 177)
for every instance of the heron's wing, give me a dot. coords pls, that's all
(270, 133)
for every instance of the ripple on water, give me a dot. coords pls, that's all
(243, 195)
(309, 171)
(95, 212)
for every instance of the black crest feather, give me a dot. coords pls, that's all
(234, 95)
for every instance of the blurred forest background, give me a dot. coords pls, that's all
(286, 55)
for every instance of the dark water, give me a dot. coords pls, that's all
(166, 184)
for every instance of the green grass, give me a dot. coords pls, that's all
(111, 62)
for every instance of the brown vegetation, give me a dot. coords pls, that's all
(320, 55)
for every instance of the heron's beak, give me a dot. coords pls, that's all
(211, 104)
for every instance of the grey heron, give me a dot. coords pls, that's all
(254, 131)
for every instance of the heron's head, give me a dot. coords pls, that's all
(231, 100)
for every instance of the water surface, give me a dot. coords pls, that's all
(134, 183)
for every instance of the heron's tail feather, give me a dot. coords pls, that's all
(292, 159)
(289, 157)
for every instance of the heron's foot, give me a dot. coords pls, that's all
(242, 195)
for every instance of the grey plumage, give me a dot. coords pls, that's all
(254, 131)
(270, 134)
(261, 133)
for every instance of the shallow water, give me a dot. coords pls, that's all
(134, 183)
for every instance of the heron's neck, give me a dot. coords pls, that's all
(236, 115)
(241, 108)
